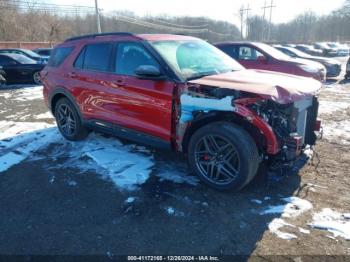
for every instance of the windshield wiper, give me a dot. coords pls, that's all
(197, 76)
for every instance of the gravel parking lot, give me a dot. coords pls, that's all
(109, 197)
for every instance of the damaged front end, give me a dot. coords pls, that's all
(282, 121)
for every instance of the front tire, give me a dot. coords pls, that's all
(68, 121)
(223, 155)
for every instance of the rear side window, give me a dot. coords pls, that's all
(4, 60)
(59, 55)
(94, 57)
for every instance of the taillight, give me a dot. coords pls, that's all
(318, 125)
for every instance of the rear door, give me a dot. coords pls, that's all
(12, 69)
(89, 81)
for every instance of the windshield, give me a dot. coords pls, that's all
(22, 59)
(30, 53)
(195, 58)
(298, 52)
(275, 53)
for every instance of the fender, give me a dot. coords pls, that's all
(241, 115)
(260, 124)
(68, 95)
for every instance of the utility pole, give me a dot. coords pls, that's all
(264, 22)
(247, 20)
(244, 11)
(98, 21)
(269, 32)
(241, 15)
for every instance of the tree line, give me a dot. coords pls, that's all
(305, 28)
(33, 24)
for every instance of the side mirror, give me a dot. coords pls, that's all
(147, 71)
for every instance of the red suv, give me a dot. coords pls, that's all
(181, 93)
(262, 56)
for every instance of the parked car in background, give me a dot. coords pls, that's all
(342, 50)
(309, 49)
(262, 56)
(333, 66)
(46, 52)
(326, 49)
(26, 52)
(347, 74)
(20, 69)
(2, 77)
(181, 93)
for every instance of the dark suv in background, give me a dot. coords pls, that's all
(181, 93)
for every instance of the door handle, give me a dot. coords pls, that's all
(119, 83)
(72, 75)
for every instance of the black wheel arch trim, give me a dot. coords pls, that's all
(218, 116)
(68, 95)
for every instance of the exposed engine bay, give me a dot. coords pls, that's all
(293, 124)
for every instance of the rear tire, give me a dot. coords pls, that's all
(68, 121)
(37, 78)
(223, 155)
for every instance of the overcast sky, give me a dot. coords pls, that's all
(218, 9)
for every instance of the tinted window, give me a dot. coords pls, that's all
(248, 53)
(229, 50)
(59, 55)
(130, 56)
(79, 62)
(97, 57)
(4, 60)
(44, 52)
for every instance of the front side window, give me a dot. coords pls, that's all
(192, 59)
(95, 57)
(230, 50)
(130, 56)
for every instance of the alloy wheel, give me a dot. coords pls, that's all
(66, 120)
(217, 159)
(37, 78)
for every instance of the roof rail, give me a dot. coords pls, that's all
(96, 35)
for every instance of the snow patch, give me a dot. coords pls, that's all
(337, 131)
(46, 115)
(328, 107)
(27, 94)
(294, 207)
(173, 212)
(276, 224)
(336, 223)
(121, 164)
(130, 200)
(256, 201)
(18, 140)
(304, 231)
(175, 171)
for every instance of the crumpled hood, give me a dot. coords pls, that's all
(279, 87)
